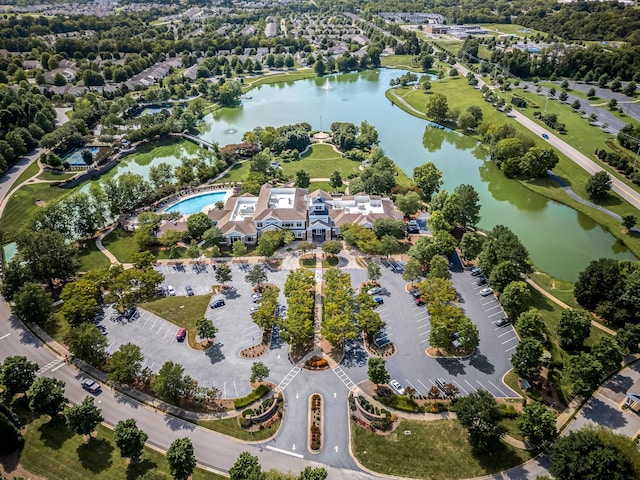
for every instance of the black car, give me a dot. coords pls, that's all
(91, 386)
(503, 322)
(217, 303)
(475, 271)
(482, 280)
(189, 290)
(131, 313)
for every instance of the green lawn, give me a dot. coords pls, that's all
(510, 28)
(29, 172)
(438, 443)
(320, 162)
(454, 46)
(120, 243)
(326, 186)
(237, 173)
(53, 451)
(512, 428)
(561, 289)
(56, 176)
(91, 258)
(21, 207)
(182, 311)
(230, 427)
(399, 61)
(290, 76)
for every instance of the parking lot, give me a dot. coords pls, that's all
(408, 327)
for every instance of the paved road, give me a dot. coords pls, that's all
(626, 192)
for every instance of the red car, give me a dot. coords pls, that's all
(181, 334)
(418, 301)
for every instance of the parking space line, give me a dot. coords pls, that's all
(155, 320)
(422, 312)
(505, 333)
(236, 388)
(425, 387)
(494, 314)
(511, 339)
(509, 349)
(488, 303)
(483, 387)
(491, 308)
(461, 387)
(422, 319)
(425, 333)
(423, 326)
(224, 389)
(496, 387)
(425, 340)
(473, 389)
(413, 386)
(168, 331)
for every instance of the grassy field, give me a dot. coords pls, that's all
(91, 258)
(120, 243)
(320, 162)
(510, 29)
(400, 61)
(29, 172)
(230, 427)
(454, 46)
(56, 176)
(291, 76)
(237, 173)
(21, 207)
(182, 311)
(437, 443)
(53, 451)
(560, 289)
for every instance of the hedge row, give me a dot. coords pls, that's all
(258, 393)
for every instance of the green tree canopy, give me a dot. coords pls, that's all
(377, 371)
(46, 396)
(478, 412)
(129, 439)
(125, 364)
(17, 373)
(83, 418)
(181, 458)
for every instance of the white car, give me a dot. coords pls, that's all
(171, 291)
(485, 292)
(253, 309)
(396, 386)
(374, 291)
(256, 296)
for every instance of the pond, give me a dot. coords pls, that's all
(560, 240)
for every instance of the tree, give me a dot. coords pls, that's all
(16, 375)
(437, 222)
(256, 276)
(502, 275)
(369, 322)
(197, 224)
(538, 424)
(471, 245)
(584, 372)
(463, 206)
(516, 298)
(259, 371)
(437, 107)
(373, 271)
(502, 244)
(83, 418)
(125, 364)
(206, 330)
(608, 353)
(80, 301)
(181, 458)
(332, 247)
(574, 328)
(303, 180)
(409, 203)
(389, 226)
(527, 359)
(305, 247)
(377, 371)
(129, 439)
(32, 304)
(239, 249)
(212, 236)
(88, 344)
(320, 67)
(170, 384)
(428, 178)
(628, 338)
(412, 271)
(335, 180)
(310, 473)
(590, 454)
(628, 222)
(246, 468)
(601, 281)
(439, 267)
(223, 273)
(598, 185)
(530, 325)
(478, 412)
(46, 396)
(87, 156)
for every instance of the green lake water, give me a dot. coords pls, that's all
(560, 240)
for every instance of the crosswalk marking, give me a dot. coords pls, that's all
(48, 366)
(289, 377)
(344, 378)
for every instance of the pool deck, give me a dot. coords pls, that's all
(168, 202)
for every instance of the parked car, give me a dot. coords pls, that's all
(217, 303)
(475, 271)
(503, 322)
(413, 227)
(161, 292)
(485, 292)
(181, 334)
(374, 291)
(441, 383)
(131, 313)
(482, 280)
(189, 290)
(255, 297)
(171, 291)
(253, 309)
(91, 386)
(418, 301)
(378, 300)
(396, 386)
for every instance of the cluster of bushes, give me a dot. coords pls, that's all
(620, 162)
(317, 362)
(518, 101)
(551, 121)
(258, 393)
(399, 402)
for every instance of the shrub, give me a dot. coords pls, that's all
(259, 392)
(507, 410)
(400, 402)
(243, 422)
(248, 412)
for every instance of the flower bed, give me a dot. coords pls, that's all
(316, 363)
(316, 424)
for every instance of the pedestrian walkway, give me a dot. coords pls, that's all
(317, 336)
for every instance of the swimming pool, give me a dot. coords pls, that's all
(74, 157)
(195, 204)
